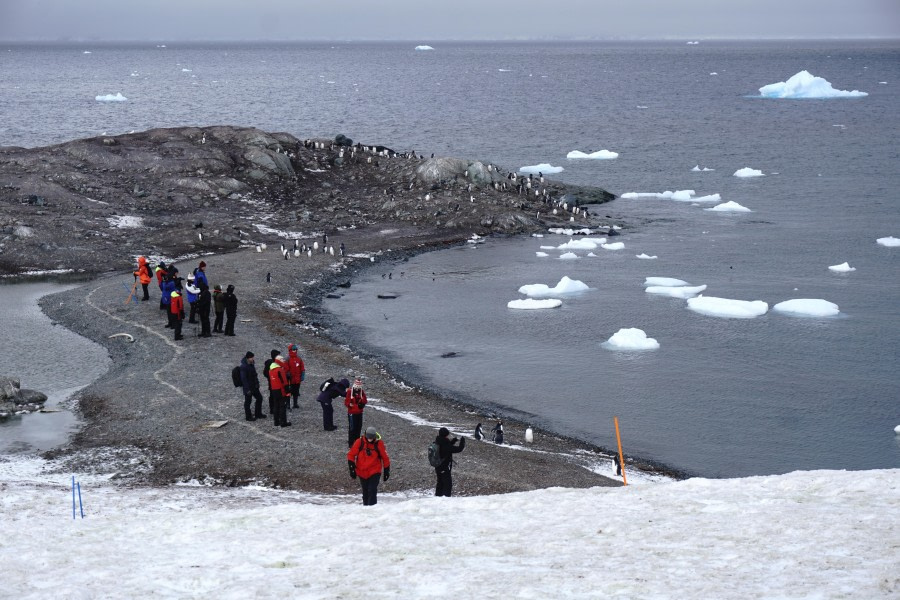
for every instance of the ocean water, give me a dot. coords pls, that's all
(720, 397)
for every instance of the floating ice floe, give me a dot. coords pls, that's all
(117, 97)
(664, 281)
(548, 247)
(677, 195)
(713, 73)
(565, 231)
(692, 43)
(808, 307)
(613, 246)
(565, 286)
(537, 235)
(806, 85)
(541, 168)
(645, 256)
(890, 241)
(842, 268)
(424, 48)
(591, 254)
(86, 52)
(187, 71)
(730, 206)
(541, 254)
(727, 308)
(531, 304)
(582, 244)
(568, 256)
(598, 155)
(682, 291)
(630, 338)
(697, 169)
(125, 221)
(748, 172)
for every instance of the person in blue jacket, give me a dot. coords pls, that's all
(168, 286)
(192, 292)
(200, 274)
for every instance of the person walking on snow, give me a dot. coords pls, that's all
(366, 459)
(355, 401)
(278, 378)
(447, 448)
(297, 371)
(328, 391)
(145, 276)
(250, 384)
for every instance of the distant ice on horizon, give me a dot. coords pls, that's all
(423, 47)
(664, 281)
(808, 307)
(748, 172)
(565, 286)
(842, 268)
(531, 304)
(805, 85)
(567, 231)
(727, 308)
(645, 256)
(730, 206)
(541, 168)
(683, 292)
(630, 338)
(117, 97)
(889, 242)
(598, 155)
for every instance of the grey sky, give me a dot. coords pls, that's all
(426, 20)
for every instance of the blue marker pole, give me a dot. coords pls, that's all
(73, 496)
(80, 506)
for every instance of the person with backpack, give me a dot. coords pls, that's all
(366, 459)
(444, 448)
(176, 312)
(328, 391)
(231, 303)
(355, 400)
(219, 307)
(167, 287)
(200, 274)
(297, 371)
(145, 276)
(278, 379)
(250, 385)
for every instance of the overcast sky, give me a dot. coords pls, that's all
(427, 20)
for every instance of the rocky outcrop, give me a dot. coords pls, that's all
(15, 401)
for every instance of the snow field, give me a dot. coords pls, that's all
(630, 338)
(806, 85)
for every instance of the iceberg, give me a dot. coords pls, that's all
(630, 338)
(598, 155)
(806, 85)
(889, 242)
(613, 246)
(664, 281)
(565, 286)
(548, 247)
(424, 48)
(530, 304)
(118, 97)
(731, 206)
(808, 307)
(645, 256)
(842, 268)
(727, 308)
(677, 195)
(748, 172)
(568, 256)
(684, 292)
(582, 244)
(541, 168)
(541, 254)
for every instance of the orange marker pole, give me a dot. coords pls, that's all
(621, 456)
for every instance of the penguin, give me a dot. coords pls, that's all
(331, 250)
(529, 435)
(315, 246)
(296, 252)
(479, 432)
(282, 248)
(263, 246)
(200, 236)
(258, 248)
(309, 253)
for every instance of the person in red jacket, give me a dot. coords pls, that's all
(366, 459)
(278, 378)
(355, 401)
(297, 371)
(176, 309)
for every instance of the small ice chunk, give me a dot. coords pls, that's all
(682, 292)
(806, 85)
(541, 168)
(548, 247)
(565, 286)
(117, 97)
(531, 304)
(697, 169)
(537, 235)
(568, 256)
(613, 246)
(730, 206)
(630, 338)
(727, 308)
(709, 198)
(582, 244)
(186, 70)
(890, 241)
(591, 254)
(664, 281)
(748, 172)
(541, 254)
(424, 47)
(645, 256)
(808, 307)
(842, 268)
(598, 155)
(570, 232)
(713, 73)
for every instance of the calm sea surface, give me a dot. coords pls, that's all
(721, 397)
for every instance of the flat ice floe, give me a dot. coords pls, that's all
(630, 338)
(677, 195)
(117, 97)
(890, 242)
(682, 291)
(808, 307)
(748, 172)
(582, 244)
(842, 268)
(423, 47)
(697, 169)
(727, 308)
(645, 256)
(613, 246)
(598, 155)
(806, 85)
(730, 206)
(568, 256)
(565, 286)
(568, 231)
(541, 168)
(531, 304)
(664, 281)
(541, 254)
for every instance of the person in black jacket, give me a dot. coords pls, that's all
(204, 303)
(448, 447)
(250, 384)
(328, 391)
(231, 303)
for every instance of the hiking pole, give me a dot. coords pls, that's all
(131, 293)
(80, 505)
(621, 456)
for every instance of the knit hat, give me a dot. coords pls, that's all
(443, 432)
(249, 355)
(294, 347)
(190, 277)
(202, 264)
(230, 288)
(274, 353)
(357, 383)
(370, 433)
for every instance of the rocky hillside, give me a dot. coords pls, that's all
(92, 205)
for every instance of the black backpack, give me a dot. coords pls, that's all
(326, 383)
(434, 455)
(236, 377)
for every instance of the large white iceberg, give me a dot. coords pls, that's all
(725, 307)
(117, 97)
(842, 268)
(682, 291)
(664, 281)
(565, 286)
(530, 304)
(808, 307)
(806, 85)
(424, 48)
(890, 242)
(541, 168)
(598, 155)
(730, 206)
(630, 338)
(748, 172)
(613, 246)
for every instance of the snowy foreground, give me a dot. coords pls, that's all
(818, 534)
